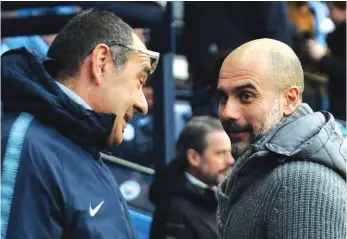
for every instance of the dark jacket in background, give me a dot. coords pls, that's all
(183, 210)
(334, 65)
(54, 184)
(289, 184)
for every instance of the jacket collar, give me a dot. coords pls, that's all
(306, 136)
(73, 96)
(28, 87)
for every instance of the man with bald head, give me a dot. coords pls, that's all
(290, 171)
(59, 112)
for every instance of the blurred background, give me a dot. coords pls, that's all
(193, 39)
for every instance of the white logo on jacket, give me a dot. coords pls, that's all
(92, 211)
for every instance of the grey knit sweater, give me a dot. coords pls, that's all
(290, 184)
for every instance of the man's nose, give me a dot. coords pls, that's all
(229, 111)
(230, 161)
(141, 106)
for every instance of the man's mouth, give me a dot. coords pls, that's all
(238, 136)
(238, 133)
(224, 171)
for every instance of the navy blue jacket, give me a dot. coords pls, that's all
(54, 184)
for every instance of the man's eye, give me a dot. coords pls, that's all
(143, 79)
(246, 97)
(220, 153)
(142, 82)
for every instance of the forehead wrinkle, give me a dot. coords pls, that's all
(231, 78)
(245, 81)
(260, 76)
(240, 74)
(234, 88)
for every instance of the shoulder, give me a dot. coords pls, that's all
(308, 179)
(305, 169)
(308, 196)
(176, 205)
(40, 133)
(170, 220)
(28, 157)
(30, 143)
(41, 139)
(183, 210)
(168, 215)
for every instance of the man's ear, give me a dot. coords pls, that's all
(193, 157)
(99, 58)
(292, 100)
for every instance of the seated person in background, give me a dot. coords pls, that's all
(184, 192)
(333, 62)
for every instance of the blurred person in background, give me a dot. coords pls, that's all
(58, 113)
(289, 179)
(322, 22)
(184, 191)
(301, 16)
(303, 23)
(332, 61)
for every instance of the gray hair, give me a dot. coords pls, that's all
(82, 34)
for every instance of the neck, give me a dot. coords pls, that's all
(196, 174)
(194, 181)
(79, 87)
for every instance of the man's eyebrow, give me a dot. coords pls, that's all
(246, 86)
(238, 88)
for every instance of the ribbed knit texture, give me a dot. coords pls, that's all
(267, 198)
(311, 202)
(296, 200)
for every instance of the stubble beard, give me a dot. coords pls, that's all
(269, 121)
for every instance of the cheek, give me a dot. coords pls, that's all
(115, 99)
(125, 91)
(253, 114)
(214, 164)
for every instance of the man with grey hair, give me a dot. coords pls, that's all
(289, 177)
(59, 111)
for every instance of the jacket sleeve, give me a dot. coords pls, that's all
(310, 203)
(170, 223)
(35, 208)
